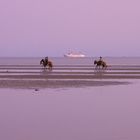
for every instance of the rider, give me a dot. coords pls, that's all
(100, 59)
(46, 59)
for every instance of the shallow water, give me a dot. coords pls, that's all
(62, 64)
(93, 113)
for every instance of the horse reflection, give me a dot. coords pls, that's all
(99, 72)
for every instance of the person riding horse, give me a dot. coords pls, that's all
(45, 62)
(100, 62)
(100, 59)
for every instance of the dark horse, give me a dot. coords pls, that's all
(45, 64)
(100, 64)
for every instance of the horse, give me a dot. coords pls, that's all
(45, 64)
(100, 64)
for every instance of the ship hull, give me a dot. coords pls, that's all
(74, 55)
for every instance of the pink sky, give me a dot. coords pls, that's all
(54, 27)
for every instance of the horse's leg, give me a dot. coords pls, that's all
(105, 66)
(50, 66)
(96, 67)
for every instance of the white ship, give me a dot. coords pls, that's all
(74, 55)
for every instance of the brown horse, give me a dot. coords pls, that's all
(45, 64)
(100, 64)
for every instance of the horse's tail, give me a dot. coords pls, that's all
(104, 64)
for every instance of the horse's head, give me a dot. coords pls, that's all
(42, 61)
(95, 62)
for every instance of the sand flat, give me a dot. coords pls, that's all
(22, 77)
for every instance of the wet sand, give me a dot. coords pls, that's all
(30, 84)
(33, 76)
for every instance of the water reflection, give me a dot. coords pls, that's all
(100, 72)
(45, 71)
